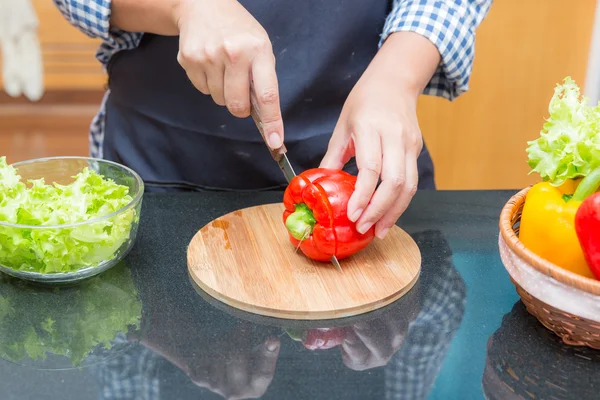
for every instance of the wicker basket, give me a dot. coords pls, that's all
(566, 303)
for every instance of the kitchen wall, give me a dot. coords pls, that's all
(524, 48)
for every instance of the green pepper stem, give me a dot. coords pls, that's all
(296, 334)
(587, 186)
(301, 222)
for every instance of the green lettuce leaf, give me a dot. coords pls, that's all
(64, 249)
(569, 143)
(72, 322)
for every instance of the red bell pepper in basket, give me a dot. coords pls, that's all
(315, 215)
(587, 226)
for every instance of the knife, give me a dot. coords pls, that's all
(279, 155)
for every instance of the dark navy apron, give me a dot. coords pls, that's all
(175, 137)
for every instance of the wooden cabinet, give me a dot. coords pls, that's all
(523, 49)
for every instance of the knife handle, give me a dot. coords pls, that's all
(277, 154)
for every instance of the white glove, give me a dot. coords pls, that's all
(10, 70)
(31, 66)
(21, 50)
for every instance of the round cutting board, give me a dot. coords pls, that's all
(245, 260)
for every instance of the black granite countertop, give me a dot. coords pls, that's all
(142, 330)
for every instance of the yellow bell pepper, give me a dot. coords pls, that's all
(548, 224)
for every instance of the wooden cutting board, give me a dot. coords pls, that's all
(245, 260)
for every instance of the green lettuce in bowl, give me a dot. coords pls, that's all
(66, 218)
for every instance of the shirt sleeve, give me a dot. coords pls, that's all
(450, 25)
(413, 370)
(92, 17)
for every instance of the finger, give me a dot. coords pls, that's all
(339, 150)
(377, 338)
(266, 358)
(402, 202)
(215, 78)
(198, 79)
(354, 354)
(237, 376)
(393, 327)
(190, 61)
(267, 94)
(392, 181)
(265, 364)
(212, 377)
(237, 88)
(367, 145)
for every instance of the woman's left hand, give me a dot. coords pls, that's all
(378, 125)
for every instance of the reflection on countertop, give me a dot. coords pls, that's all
(395, 352)
(527, 361)
(430, 344)
(70, 326)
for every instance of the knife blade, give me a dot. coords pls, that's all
(279, 155)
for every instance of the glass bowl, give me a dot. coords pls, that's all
(70, 252)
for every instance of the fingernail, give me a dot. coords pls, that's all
(356, 214)
(383, 232)
(364, 227)
(272, 345)
(274, 141)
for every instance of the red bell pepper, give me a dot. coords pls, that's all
(315, 215)
(587, 226)
(320, 338)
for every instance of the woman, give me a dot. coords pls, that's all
(343, 75)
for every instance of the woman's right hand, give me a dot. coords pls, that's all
(222, 47)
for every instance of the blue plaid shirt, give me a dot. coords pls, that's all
(449, 24)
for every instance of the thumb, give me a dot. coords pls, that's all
(339, 150)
